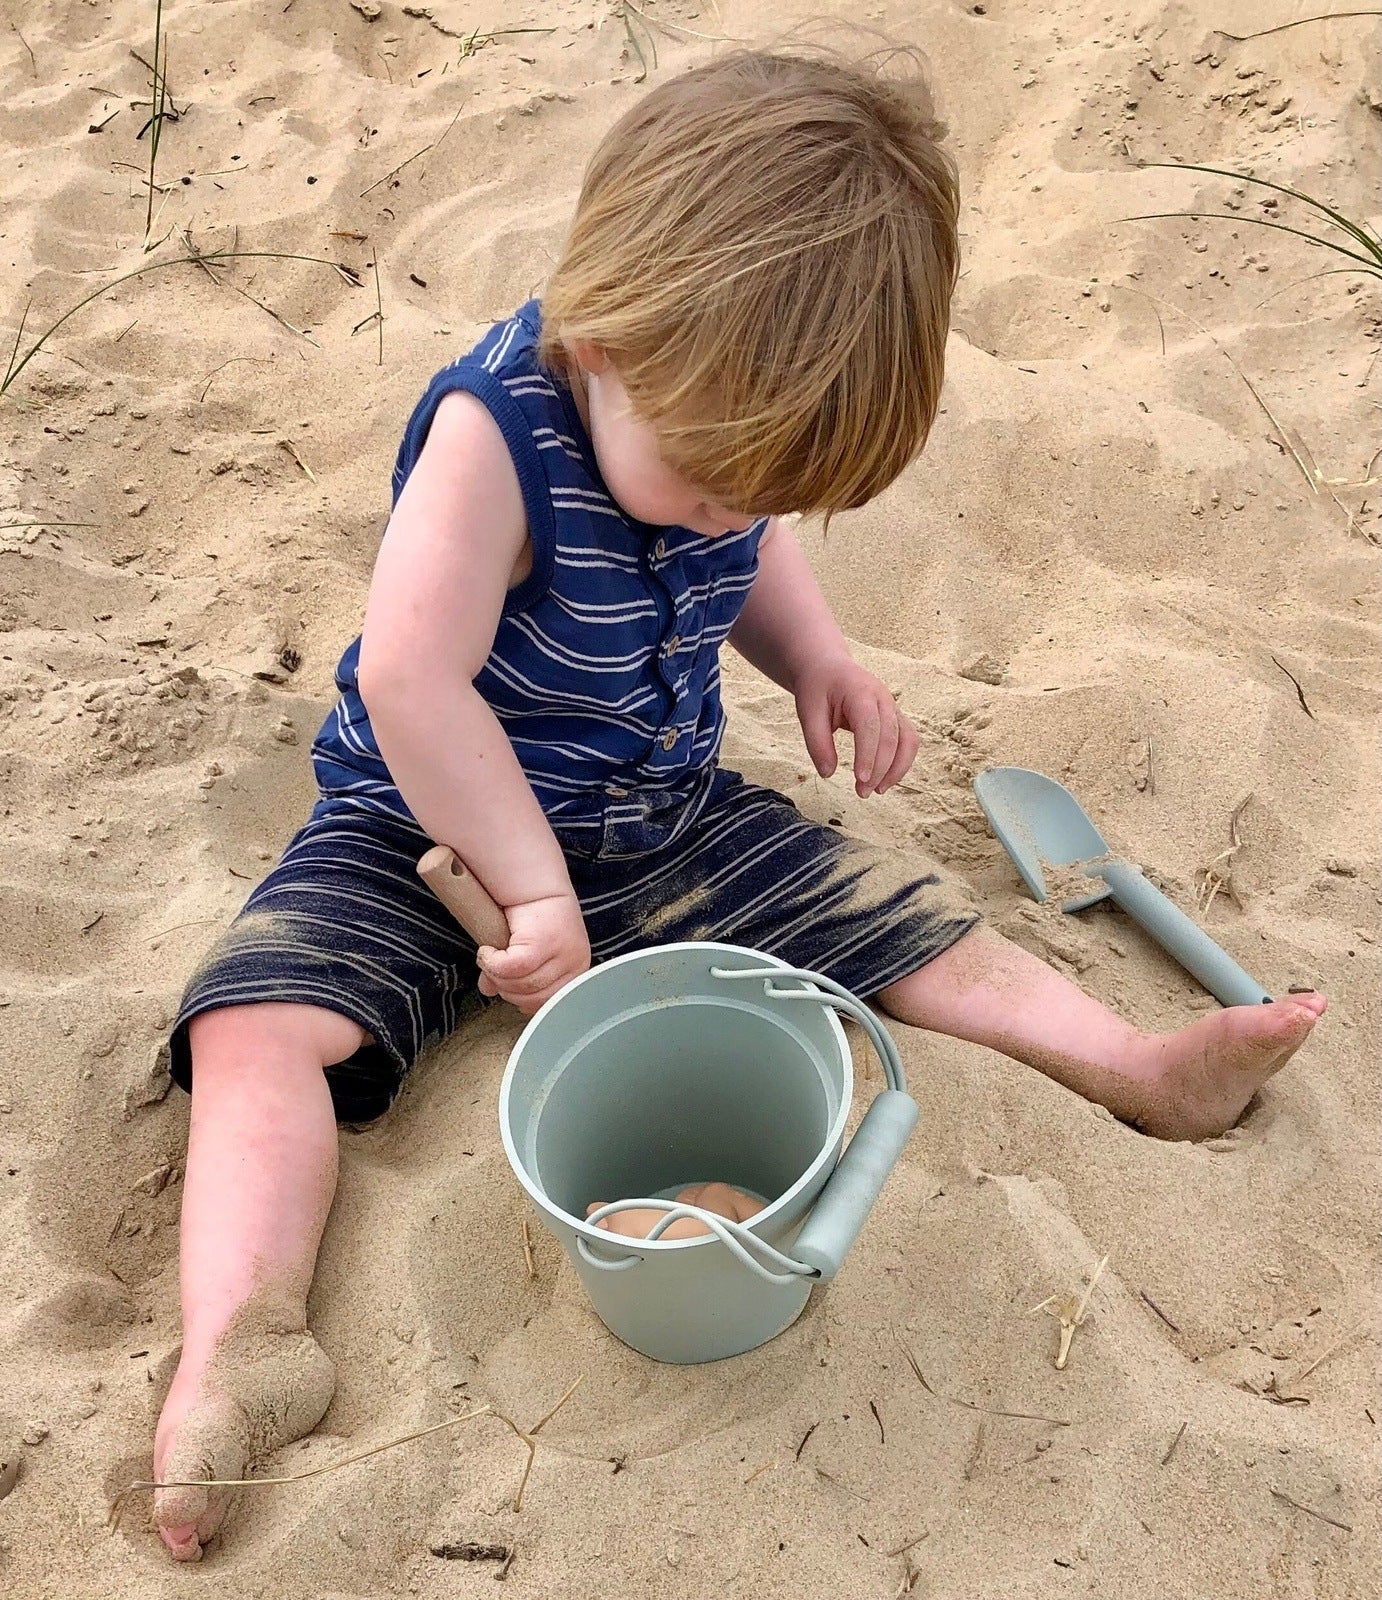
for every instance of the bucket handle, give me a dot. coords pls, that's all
(733, 1235)
(843, 1206)
(825, 991)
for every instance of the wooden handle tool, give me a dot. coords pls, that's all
(442, 870)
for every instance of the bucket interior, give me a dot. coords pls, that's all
(704, 1091)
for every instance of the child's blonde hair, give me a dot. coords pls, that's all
(765, 248)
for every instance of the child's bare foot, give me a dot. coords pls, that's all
(1201, 1078)
(265, 1383)
(1183, 1085)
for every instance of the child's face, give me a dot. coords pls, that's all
(631, 464)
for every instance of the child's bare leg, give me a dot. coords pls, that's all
(1182, 1085)
(261, 1173)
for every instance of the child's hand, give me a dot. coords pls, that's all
(547, 948)
(841, 694)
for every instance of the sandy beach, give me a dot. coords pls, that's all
(1139, 554)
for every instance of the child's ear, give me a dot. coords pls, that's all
(589, 355)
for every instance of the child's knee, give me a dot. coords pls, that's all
(232, 1037)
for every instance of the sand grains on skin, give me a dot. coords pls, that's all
(1100, 509)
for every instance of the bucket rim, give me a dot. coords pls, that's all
(827, 1155)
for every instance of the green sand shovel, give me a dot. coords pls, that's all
(1041, 824)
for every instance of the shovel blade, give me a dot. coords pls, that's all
(1040, 824)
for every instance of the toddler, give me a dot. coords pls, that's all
(749, 319)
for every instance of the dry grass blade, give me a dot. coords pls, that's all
(201, 259)
(1310, 1511)
(14, 348)
(378, 306)
(118, 1505)
(158, 96)
(261, 361)
(1175, 1443)
(406, 162)
(1328, 1354)
(636, 47)
(1358, 233)
(1300, 22)
(1283, 437)
(471, 42)
(911, 1544)
(197, 258)
(46, 522)
(908, 1581)
(971, 1405)
(529, 1438)
(674, 27)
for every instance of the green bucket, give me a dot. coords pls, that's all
(693, 1063)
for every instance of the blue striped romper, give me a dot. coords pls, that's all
(605, 676)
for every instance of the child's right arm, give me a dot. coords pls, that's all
(454, 541)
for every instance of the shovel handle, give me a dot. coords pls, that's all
(1180, 937)
(464, 896)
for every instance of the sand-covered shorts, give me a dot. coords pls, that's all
(344, 922)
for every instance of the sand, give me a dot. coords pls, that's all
(1105, 512)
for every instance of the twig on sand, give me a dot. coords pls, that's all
(1217, 877)
(1147, 1299)
(33, 65)
(468, 1550)
(1072, 1313)
(292, 449)
(378, 306)
(911, 1544)
(528, 1251)
(1310, 1511)
(529, 1438)
(1300, 693)
(1175, 1443)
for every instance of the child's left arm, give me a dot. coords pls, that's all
(787, 631)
